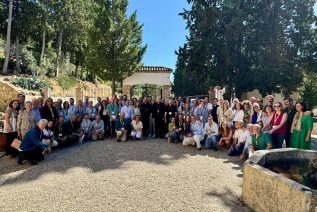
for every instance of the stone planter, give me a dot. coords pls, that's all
(264, 190)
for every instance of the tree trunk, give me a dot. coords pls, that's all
(7, 47)
(77, 65)
(59, 52)
(17, 54)
(43, 39)
(113, 86)
(81, 72)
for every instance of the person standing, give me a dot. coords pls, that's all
(214, 110)
(26, 120)
(290, 111)
(113, 111)
(301, 128)
(145, 109)
(158, 115)
(49, 112)
(278, 126)
(202, 113)
(10, 126)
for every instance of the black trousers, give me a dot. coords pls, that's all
(159, 125)
(145, 122)
(288, 139)
(277, 140)
(32, 155)
(10, 137)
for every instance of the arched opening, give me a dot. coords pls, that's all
(146, 90)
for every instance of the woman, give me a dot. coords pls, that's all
(225, 134)
(137, 127)
(49, 111)
(256, 114)
(10, 126)
(302, 127)
(227, 114)
(186, 110)
(238, 112)
(136, 108)
(247, 112)
(278, 124)
(85, 126)
(26, 120)
(66, 111)
(179, 107)
(48, 135)
(266, 116)
(104, 114)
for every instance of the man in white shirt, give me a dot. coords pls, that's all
(211, 130)
(239, 138)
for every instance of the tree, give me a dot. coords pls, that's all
(309, 90)
(7, 46)
(115, 42)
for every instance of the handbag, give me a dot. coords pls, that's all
(16, 144)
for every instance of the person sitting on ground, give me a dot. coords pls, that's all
(97, 129)
(48, 135)
(171, 129)
(85, 126)
(248, 142)
(239, 139)
(260, 140)
(225, 135)
(71, 128)
(121, 128)
(195, 135)
(211, 131)
(137, 127)
(31, 146)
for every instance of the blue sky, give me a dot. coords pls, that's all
(163, 31)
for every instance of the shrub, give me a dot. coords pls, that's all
(67, 82)
(33, 83)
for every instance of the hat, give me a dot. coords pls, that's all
(240, 121)
(250, 124)
(256, 125)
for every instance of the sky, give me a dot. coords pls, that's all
(164, 31)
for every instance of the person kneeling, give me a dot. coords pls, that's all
(31, 147)
(97, 129)
(48, 135)
(194, 134)
(260, 140)
(211, 130)
(239, 139)
(137, 127)
(121, 128)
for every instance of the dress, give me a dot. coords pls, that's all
(298, 136)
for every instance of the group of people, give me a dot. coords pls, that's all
(239, 128)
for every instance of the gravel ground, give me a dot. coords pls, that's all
(150, 175)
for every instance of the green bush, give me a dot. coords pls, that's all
(67, 82)
(33, 84)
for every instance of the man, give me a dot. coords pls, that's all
(97, 129)
(239, 138)
(60, 107)
(170, 111)
(260, 102)
(260, 140)
(91, 110)
(124, 99)
(248, 142)
(113, 112)
(60, 132)
(291, 111)
(145, 109)
(252, 100)
(158, 115)
(215, 107)
(98, 104)
(31, 146)
(71, 128)
(195, 134)
(128, 111)
(71, 103)
(177, 134)
(121, 128)
(270, 100)
(21, 99)
(80, 109)
(36, 109)
(211, 131)
(86, 101)
(210, 106)
(41, 102)
(202, 113)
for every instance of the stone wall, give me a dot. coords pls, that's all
(166, 93)
(7, 94)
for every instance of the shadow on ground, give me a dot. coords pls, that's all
(103, 155)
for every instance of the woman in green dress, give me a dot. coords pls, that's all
(302, 127)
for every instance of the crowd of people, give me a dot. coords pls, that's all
(240, 128)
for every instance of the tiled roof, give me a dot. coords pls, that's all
(155, 69)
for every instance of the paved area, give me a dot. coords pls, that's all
(149, 175)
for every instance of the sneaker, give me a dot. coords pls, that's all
(118, 140)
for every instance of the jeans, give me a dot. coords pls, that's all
(236, 150)
(175, 136)
(211, 143)
(277, 140)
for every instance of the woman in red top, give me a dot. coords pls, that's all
(278, 125)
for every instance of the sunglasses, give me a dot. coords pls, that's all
(275, 106)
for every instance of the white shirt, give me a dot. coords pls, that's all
(214, 129)
(209, 106)
(242, 135)
(238, 115)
